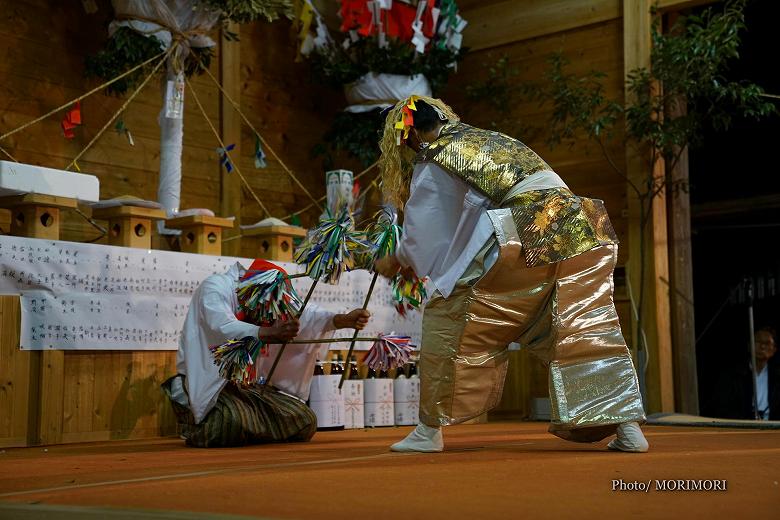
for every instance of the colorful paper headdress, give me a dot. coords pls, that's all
(405, 120)
(265, 294)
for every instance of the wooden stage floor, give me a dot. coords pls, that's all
(497, 470)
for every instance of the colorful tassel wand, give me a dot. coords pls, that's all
(384, 236)
(389, 352)
(330, 248)
(237, 359)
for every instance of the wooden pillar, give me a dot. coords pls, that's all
(5, 222)
(659, 378)
(274, 242)
(200, 234)
(129, 226)
(230, 126)
(38, 216)
(681, 286)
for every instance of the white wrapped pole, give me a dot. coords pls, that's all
(172, 22)
(171, 141)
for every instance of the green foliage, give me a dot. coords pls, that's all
(579, 103)
(124, 50)
(689, 61)
(357, 134)
(245, 11)
(128, 48)
(492, 98)
(336, 66)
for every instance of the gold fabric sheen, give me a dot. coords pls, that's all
(563, 313)
(553, 224)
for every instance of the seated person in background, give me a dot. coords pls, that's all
(734, 390)
(214, 412)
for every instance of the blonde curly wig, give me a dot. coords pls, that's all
(397, 162)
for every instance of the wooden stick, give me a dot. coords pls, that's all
(345, 373)
(281, 350)
(326, 340)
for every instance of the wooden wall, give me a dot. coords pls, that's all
(94, 395)
(595, 46)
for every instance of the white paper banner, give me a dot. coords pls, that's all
(90, 296)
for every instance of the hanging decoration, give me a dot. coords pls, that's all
(121, 129)
(71, 120)
(387, 50)
(259, 154)
(224, 158)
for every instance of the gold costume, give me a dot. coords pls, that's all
(550, 290)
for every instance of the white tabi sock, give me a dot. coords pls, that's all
(629, 438)
(423, 439)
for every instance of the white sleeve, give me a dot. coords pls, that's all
(217, 308)
(317, 323)
(431, 217)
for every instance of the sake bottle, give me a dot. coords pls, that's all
(353, 370)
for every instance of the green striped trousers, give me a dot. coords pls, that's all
(241, 416)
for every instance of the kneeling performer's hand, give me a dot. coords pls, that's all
(286, 330)
(357, 319)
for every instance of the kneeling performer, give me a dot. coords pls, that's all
(214, 412)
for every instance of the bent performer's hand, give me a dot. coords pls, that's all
(387, 266)
(281, 331)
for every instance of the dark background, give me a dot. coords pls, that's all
(737, 165)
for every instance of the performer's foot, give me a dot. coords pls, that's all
(423, 439)
(629, 438)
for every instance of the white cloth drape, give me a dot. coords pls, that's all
(381, 90)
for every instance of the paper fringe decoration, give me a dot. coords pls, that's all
(405, 121)
(385, 235)
(259, 154)
(330, 248)
(408, 294)
(237, 359)
(71, 120)
(268, 295)
(389, 352)
(224, 158)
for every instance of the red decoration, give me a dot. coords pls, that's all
(71, 120)
(355, 15)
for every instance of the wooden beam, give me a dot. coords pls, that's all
(230, 126)
(677, 5)
(510, 21)
(659, 380)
